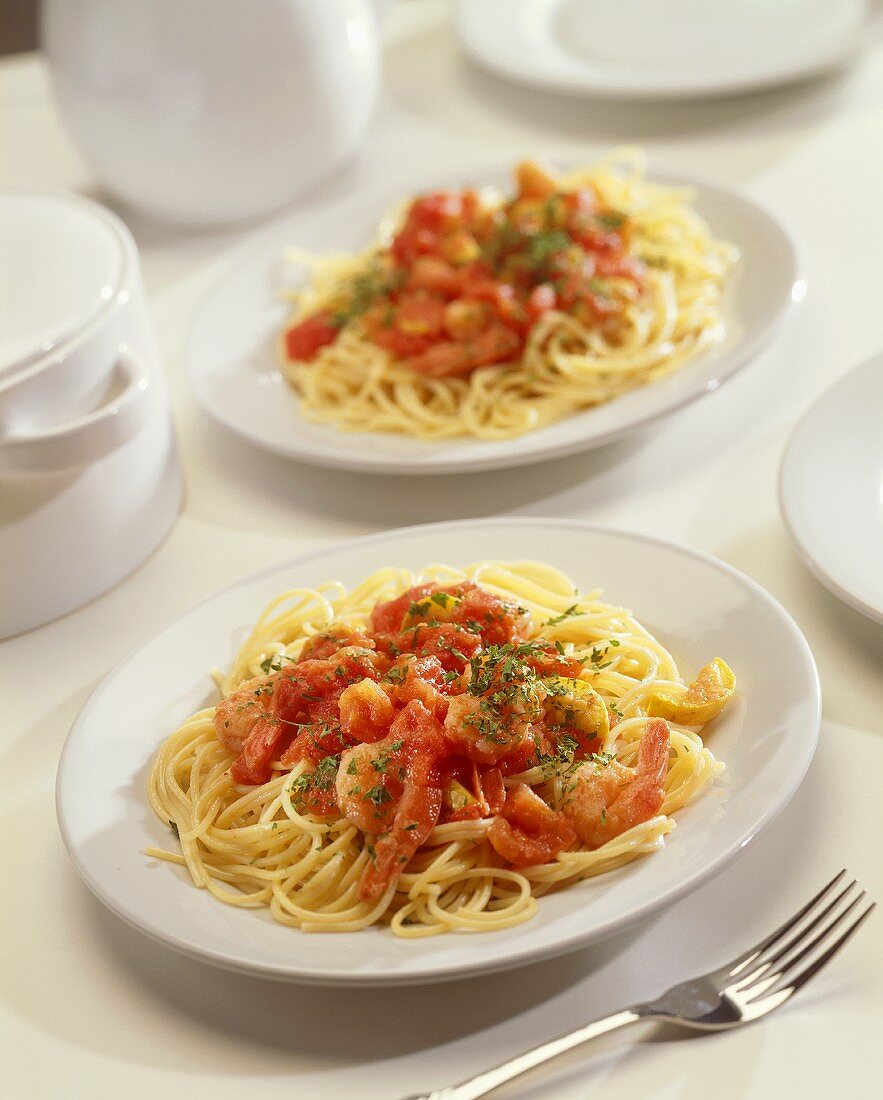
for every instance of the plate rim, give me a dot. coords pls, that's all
(628, 93)
(462, 969)
(786, 464)
(748, 347)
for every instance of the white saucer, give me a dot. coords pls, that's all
(831, 488)
(649, 49)
(232, 355)
(697, 606)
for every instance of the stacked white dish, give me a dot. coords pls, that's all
(89, 475)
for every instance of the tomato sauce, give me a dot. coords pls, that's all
(435, 702)
(462, 283)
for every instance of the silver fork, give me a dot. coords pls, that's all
(744, 990)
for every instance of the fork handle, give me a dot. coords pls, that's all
(483, 1083)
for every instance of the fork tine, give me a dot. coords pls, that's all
(763, 970)
(798, 980)
(742, 961)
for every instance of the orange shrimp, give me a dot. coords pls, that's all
(366, 712)
(495, 715)
(235, 716)
(607, 799)
(529, 831)
(392, 791)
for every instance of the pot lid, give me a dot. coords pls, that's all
(61, 262)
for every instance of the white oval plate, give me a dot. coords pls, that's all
(831, 488)
(645, 49)
(232, 354)
(699, 607)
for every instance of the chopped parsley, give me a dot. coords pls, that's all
(611, 219)
(572, 610)
(365, 289)
(326, 772)
(378, 795)
(543, 246)
(601, 287)
(274, 663)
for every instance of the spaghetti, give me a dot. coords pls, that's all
(476, 315)
(434, 752)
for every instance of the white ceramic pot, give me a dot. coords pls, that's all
(89, 475)
(207, 111)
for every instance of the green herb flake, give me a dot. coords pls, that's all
(572, 610)
(611, 219)
(378, 795)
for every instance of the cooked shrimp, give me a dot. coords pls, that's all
(235, 716)
(254, 720)
(502, 701)
(604, 800)
(422, 678)
(392, 791)
(331, 641)
(365, 711)
(528, 831)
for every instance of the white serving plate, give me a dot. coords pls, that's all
(699, 607)
(233, 349)
(831, 488)
(648, 49)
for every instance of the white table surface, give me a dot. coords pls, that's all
(89, 1007)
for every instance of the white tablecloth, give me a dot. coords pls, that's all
(89, 1007)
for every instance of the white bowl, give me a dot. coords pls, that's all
(212, 110)
(89, 476)
(65, 288)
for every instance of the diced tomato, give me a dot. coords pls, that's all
(437, 211)
(459, 247)
(434, 273)
(387, 617)
(464, 320)
(446, 359)
(547, 661)
(320, 799)
(496, 621)
(502, 298)
(420, 313)
(305, 340)
(325, 644)
(380, 325)
(424, 680)
(490, 782)
(526, 755)
(449, 643)
(409, 326)
(412, 242)
(252, 766)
